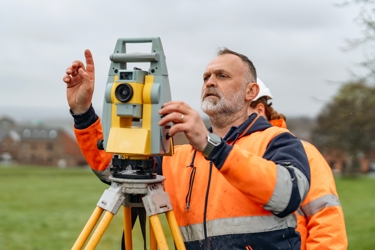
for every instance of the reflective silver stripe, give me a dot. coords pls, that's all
(103, 175)
(238, 225)
(283, 189)
(317, 205)
(303, 183)
(300, 212)
(282, 192)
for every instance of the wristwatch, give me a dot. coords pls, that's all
(213, 141)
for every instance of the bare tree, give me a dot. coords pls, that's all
(366, 20)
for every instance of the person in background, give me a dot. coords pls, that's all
(320, 216)
(234, 186)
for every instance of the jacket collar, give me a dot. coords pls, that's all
(260, 124)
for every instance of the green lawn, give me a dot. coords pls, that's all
(357, 196)
(46, 208)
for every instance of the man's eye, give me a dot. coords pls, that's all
(222, 76)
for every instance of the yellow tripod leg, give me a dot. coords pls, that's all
(88, 228)
(158, 231)
(128, 228)
(176, 233)
(99, 231)
(153, 245)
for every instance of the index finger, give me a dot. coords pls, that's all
(90, 68)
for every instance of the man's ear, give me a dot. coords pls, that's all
(261, 110)
(252, 91)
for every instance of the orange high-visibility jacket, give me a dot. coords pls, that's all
(320, 216)
(242, 197)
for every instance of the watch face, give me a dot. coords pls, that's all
(213, 141)
(214, 138)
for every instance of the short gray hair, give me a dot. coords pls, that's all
(252, 73)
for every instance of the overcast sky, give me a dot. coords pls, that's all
(295, 46)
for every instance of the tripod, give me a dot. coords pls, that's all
(127, 192)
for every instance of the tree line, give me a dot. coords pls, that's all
(347, 122)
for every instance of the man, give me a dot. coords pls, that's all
(320, 216)
(245, 178)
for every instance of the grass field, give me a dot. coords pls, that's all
(46, 208)
(357, 196)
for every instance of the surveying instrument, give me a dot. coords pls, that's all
(131, 132)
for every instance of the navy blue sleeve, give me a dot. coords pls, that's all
(85, 120)
(220, 154)
(286, 149)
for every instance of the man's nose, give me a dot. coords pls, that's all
(211, 82)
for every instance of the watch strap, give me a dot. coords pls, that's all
(208, 149)
(212, 142)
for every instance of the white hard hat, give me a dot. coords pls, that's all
(264, 91)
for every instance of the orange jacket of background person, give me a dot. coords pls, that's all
(320, 216)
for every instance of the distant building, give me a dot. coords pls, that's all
(41, 145)
(339, 160)
(38, 145)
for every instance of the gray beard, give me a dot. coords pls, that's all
(223, 106)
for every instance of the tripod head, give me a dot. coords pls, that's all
(130, 116)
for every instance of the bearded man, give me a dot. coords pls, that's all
(244, 179)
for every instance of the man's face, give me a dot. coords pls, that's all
(224, 87)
